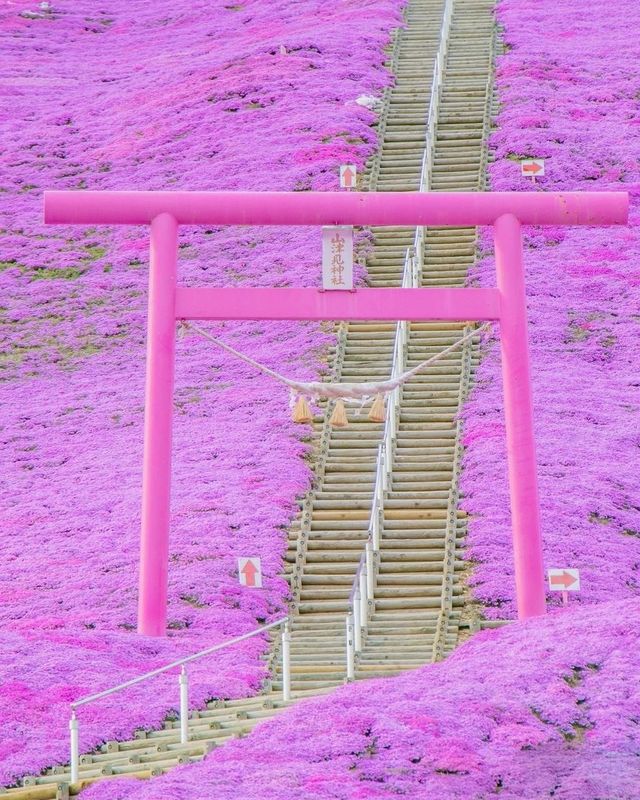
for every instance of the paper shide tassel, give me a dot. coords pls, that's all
(301, 410)
(377, 412)
(339, 416)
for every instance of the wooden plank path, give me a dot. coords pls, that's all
(417, 614)
(419, 611)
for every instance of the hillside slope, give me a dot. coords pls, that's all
(540, 709)
(568, 95)
(547, 708)
(169, 95)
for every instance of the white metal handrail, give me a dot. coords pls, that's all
(434, 109)
(361, 596)
(361, 593)
(183, 682)
(398, 366)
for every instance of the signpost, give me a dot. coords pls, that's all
(337, 257)
(348, 175)
(532, 168)
(250, 572)
(565, 581)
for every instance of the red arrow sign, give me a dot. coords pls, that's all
(533, 167)
(249, 571)
(565, 580)
(347, 177)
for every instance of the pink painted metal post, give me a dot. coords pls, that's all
(523, 482)
(156, 470)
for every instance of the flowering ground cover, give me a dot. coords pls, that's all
(568, 88)
(538, 709)
(166, 95)
(550, 707)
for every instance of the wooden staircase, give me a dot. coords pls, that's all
(327, 544)
(418, 610)
(417, 616)
(417, 574)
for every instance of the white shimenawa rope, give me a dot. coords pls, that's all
(343, 391)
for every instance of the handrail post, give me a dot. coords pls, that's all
(75, 747)
(369, 558)
(391, 434)
(286, 662)
(350, 653)
(387, 462)
(364, 599)
(375, 531)
(357, 622)
(183, 681)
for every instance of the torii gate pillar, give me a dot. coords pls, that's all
(158, 423)
(518, 411)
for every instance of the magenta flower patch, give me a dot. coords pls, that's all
(568, 92)
(537, 710)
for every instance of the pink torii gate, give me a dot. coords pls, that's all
(168, 302)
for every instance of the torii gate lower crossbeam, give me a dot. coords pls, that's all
(168, 302)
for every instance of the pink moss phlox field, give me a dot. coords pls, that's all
(546, 708)
(165, 95)
(568, 88)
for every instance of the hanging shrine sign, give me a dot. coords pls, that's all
(337, 257)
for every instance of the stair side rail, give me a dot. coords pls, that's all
(446, 596)
(398, 366)
(183, 683)
(428, 154)
(361, 595)
(488, 111)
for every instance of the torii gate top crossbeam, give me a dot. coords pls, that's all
(447, 209)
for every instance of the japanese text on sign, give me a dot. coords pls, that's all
(337, 257)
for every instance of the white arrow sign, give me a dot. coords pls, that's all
(564, 580)
(348, 175)
(250, 572)
(532, 167)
